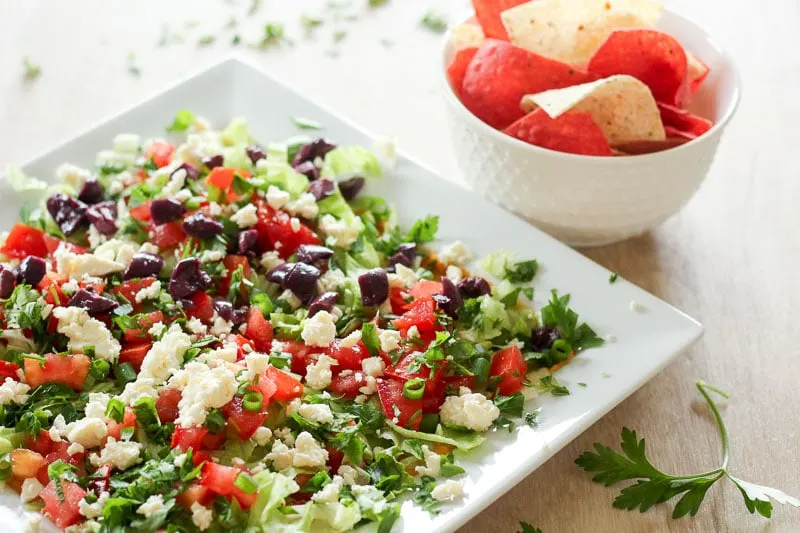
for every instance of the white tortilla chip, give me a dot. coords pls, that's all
(556, 28)
(622, 106)
(697, 69)
(467, 35)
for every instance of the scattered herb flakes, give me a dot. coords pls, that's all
(232, 23)
(339, 35)
(550, 384)
(309, 22)
(132, 66)
(532, 418)
(386, 43)
(273, 33)
(613, 277)
(527, 528)
(31, 70)
(377, 3)
(434, 22)
(306, 123)
(206, 40)
(581, 384)
(236, 41)
(255, 5)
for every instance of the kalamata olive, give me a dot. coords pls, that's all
(311, 151)
(187, 279)
(92, 302)
(473, 287)
(255, 153)
(322, 189)
(32, 270)
(404, 255)
(302, 281)
(309, 169)
(313, 254)
(542, 338)
(323, 302)
(214, 161)
(8, 279)
(351, 187)
(192, 172)
(279, 273)
(103, 217)
(450, 300)
(202, 226)
(143, 265)
(165, 210)
(247, 242)
(91, 192)
(69, 213)
(226, 310)
(374, 286)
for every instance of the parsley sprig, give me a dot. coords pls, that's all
(653, 486)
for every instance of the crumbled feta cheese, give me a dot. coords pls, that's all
(277, 198)
(351, 340)
(214, 209)
(116, 251)
(294, 222)
(149, 248)
(151, 506)
(319, 374)
(390, 340)
(97, 404)
(262, 436)
(316, 412)
(83, 330)
(406, 274)
(448, 491)
(219, 356)
(71, 265)
(305, 206)
(349, 474)
(30, 489)
(196, 326)
(12, 391)
(220, 326)
(165, 356)
(75, 448)
(637, 307)
(292, 407)
(281, 456)
(95, 237)
(156, 330)
(136, 390)
(58, 429)
(121, 455)
(330, 492)
(93, 510)
(202, 388)
(456, 253)
(453, 273)
(183, 195)
(202, 517)
(257, 363)
(176, 182)
(289, 297)
(211, 256)
(308, 453)
(73, 176)
(150, 292)
(373, 366)
(331, 281)
(71, 286)
(270, 260)
(413, 332)
(126, 143)
(341, 233)
(319, 330)
(246, 216)
(433, 463)
(88, 432)
(471, 410)
(370, 387)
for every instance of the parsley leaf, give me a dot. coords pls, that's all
(527, 528)
(549, 384)
(31, 70)
(434, 22)
(183, 119)
(370, 338)
(557, 314)
(424, 230)
(522, 271)
(613, 277)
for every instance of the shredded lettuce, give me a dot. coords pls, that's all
(284, 177)
(336, 205)
(333, 517)
(495, 263)
(235, 133)
(21, 182)
(273, 488)
(462, 441)
(242, 449)
(278, 152)
(347, 161)
(236, 157)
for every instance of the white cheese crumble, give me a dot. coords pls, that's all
(413, 332)
(211, 256)
(289, 297)
(93, 510)
(136, 390)
(151, 506)
(121, 455)
(470, 409)
(351, 340)
(165, 356)
(341, 233)
(150, 292)
(305, 206)
(149, 248)
(319, 330)
(330, 492)
(202, 388)
(449, 491)
(262, 436)
(294, 222)
(31, 488)
(433, 463)
(456, 253)
(277, 198)
(370, 386)
(13, 392)
(176, 183)
(116, 251)
(407, 275)
(72, 175)
(196, 326)
(257, 363)
(319, 374)
(96, 406)
(637, 307)
(390, 340)
(331, 281)
(75, 448)
(308, 453)
(349, 474)
(95, 237)
(270, 260)
(453, 273)
(373, 366)
(246, 216)
(227, 353)
(88, 432)
(83, 330)
(281, 455)
(156, 330)
(220, 326)
(202, 517)
(316, 412)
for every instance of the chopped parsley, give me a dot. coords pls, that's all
(434, 22)
(31, 70)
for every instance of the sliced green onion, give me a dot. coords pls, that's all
(246, 483)
(481, 370)
(561, 349)
(115, 410)
(414, 389)
(99, 369)
(252, 401)
(192, 203)
(262, 300)
(125, 373)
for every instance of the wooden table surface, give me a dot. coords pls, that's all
(730, 258)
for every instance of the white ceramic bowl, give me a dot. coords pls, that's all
(590, 200)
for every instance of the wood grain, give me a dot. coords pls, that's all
(730, 258)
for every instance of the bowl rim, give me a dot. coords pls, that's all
(718, 126)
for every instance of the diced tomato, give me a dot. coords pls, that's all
(23, 241)
(232, 263)
(275, 227)
(214, 441)
(101, 480)
(58, 452)
(141, 212)
(421, 313)
(433, 398)
(134, 354)
(70, 370)
(244, 422)
(402, 371)
(63, 512)
(97, 286)
(160, 153)
(425, 288)
(128, 289)
(221, 480)
(267, 388)
(300, 497)
(348, 357)
(142, 333)
(346, 385)
(52, 244)
(456, 382)
(511, 366)
(167, 405)
(188, 438)
(42, 444)
(335, 458)
(221, 177)
(203, 308)
(301, 356)
(287, 388)
(395, 405)
(26, 463)
(195, 493)
(128, 421)
(259, 330)
(169, 235)
(51, 290)
(8, 370)
(397, 300)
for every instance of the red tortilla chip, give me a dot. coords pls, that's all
(675, 133)
(574, 133)
(650, 55)
(682, 120)
(488, 14)
(501, 74)
(648, 147)
(458, 68)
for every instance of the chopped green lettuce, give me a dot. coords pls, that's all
(462, 441)
(235, 133)
(347, 161)
(284, 177)
(278, 152)
(21, 182)
(273, 488)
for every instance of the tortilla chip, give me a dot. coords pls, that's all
(554, 28)
(622, 106)
(573, 133)
(698, 72)
(467, 36)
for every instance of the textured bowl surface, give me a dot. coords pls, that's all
(592, 201)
